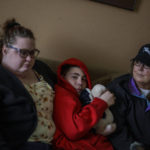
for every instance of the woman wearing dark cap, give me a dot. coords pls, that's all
(26, 92)
(132, 107)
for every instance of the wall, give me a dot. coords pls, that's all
(103, 36)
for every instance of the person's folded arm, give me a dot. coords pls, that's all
(72, 119)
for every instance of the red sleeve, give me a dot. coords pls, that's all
(72, 119)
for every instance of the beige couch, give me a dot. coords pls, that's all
(102, 78)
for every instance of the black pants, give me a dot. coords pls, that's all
(36, 146)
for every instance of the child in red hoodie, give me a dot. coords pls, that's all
(74, 122)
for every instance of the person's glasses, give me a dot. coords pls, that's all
(139, 64)
(25, 52)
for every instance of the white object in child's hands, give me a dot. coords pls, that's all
(105, 126)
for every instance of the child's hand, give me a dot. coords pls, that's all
(108, 97)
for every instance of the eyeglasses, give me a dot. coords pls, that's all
(139, 64)
(25, 52)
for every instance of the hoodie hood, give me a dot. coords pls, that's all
(75, 62)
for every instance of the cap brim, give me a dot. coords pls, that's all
(143, 59)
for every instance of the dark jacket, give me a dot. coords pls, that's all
(46, 72)
(131, 116)
(18, 117)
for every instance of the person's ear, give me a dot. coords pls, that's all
(4, 50)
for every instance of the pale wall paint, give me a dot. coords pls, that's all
(103, 36)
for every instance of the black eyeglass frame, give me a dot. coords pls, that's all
(140, 64)
(33, 53)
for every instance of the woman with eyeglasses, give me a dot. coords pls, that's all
(26, 92)
(132, 107)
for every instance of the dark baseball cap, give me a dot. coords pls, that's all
(143, 55)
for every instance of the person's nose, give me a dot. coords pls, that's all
(28, 57)
(141, 67)
(79, 81)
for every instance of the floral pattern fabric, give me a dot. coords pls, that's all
(43, 95)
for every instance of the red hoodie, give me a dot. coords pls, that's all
(74, 122)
